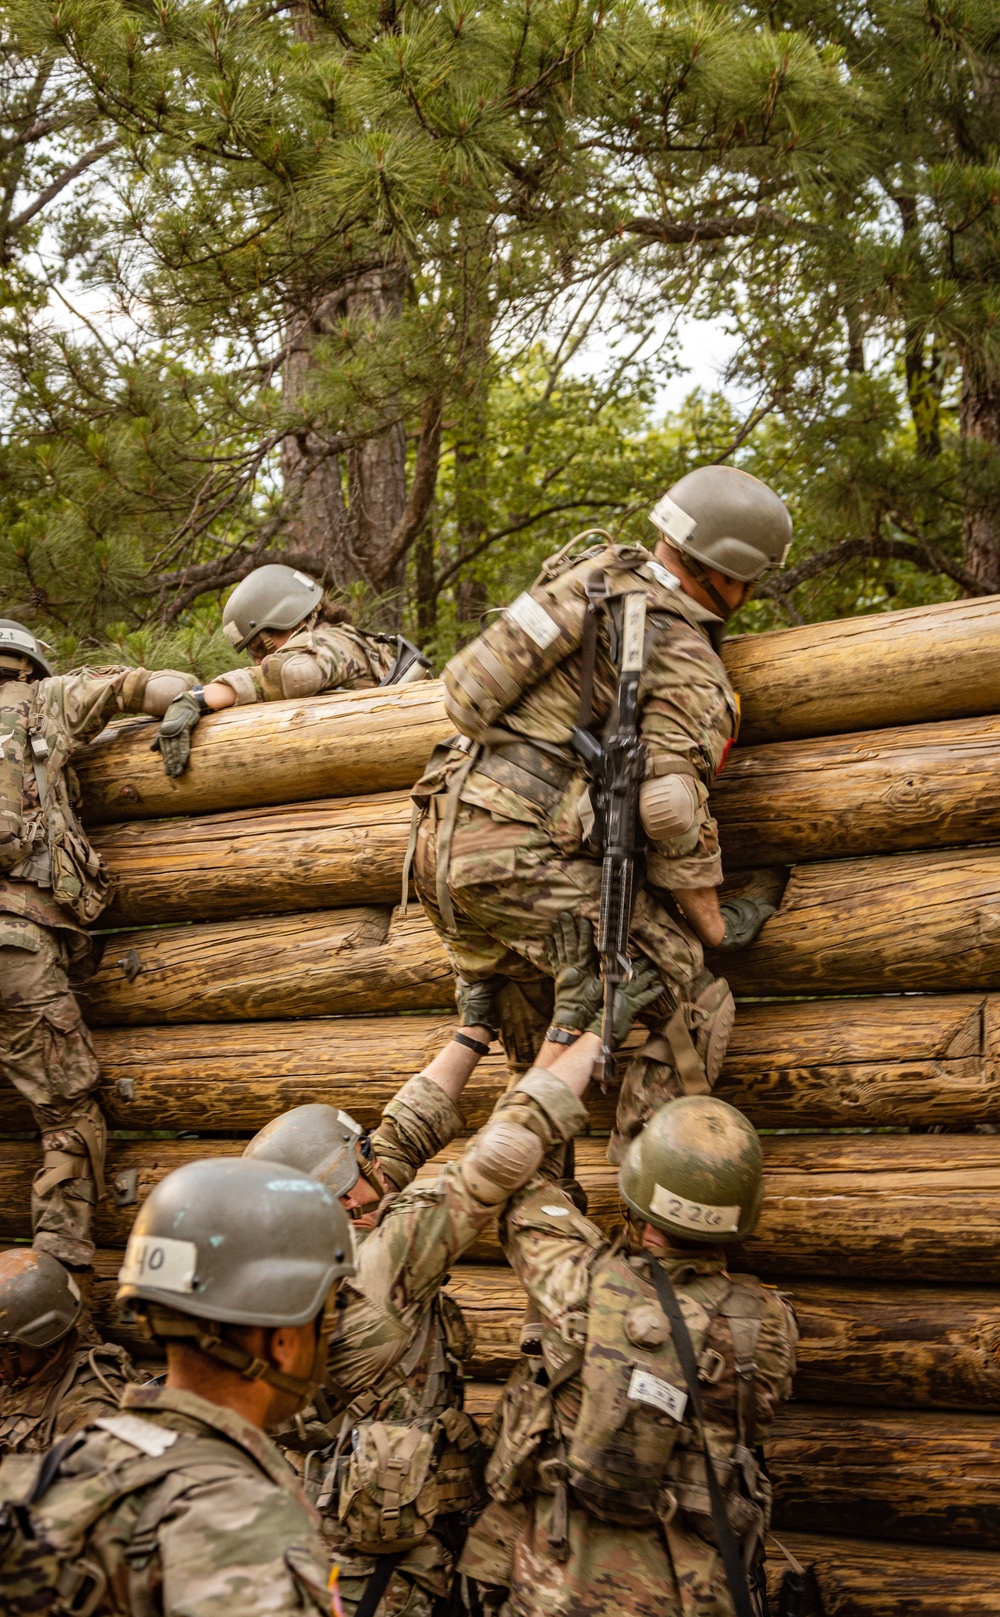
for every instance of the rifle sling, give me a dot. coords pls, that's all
(736, 1578)
(376, 1586)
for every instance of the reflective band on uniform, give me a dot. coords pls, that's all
(156, 1260)
(693, 1215)
(534, 620)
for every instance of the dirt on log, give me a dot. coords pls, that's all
(918, 1208)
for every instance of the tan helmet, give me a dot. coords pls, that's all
(242, 1243)
(39, 1300)
(271, 597)
(696, 1172)
(320, 1140)
(16, 642)
(727, 520)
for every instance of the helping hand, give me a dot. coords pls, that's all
(643, 987)
(744, 918)
(575, 969)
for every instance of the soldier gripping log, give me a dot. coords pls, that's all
(517, 818)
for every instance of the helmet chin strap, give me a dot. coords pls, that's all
(208, 1339)
(700, 573)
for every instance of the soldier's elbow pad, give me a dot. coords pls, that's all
(669, 807)
(501, 1159)
(161, 689)
(301, 675)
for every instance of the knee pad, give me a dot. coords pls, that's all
(670, 808)
(501, 1159)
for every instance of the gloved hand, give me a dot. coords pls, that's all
(576, 972)
(173, 739)
(642, 988)
(477, 1003)
(744, 918)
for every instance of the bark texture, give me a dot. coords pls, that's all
(327, 962)
(871, 1578)
(269, 753)
(979, 424)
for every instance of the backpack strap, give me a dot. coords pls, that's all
(743, 1311)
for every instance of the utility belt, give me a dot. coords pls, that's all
(542, 778)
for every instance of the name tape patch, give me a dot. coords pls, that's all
(694, 1215)
(672, 519)
(156, 1260)
(139, 1434)
(556, 1212)
(534, 620)
(645, 1388)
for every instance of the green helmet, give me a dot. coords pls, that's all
(727, 520)
(696, 1172)
(271, 597)
(318, 1140)
(239, 1243)
(17, 641)
(39, 1300)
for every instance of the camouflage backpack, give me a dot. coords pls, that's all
(15, 708)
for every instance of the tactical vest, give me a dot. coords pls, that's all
(544, 626)
(607, 1416)
(387, 1479)
(41, 839)
(45, 1560)
(95, 1374)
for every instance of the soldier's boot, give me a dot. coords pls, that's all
(683, 1056)
(68, 1185)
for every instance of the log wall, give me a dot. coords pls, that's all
(264, 963)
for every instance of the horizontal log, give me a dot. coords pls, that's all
(257, 861)
(839, 931)
(910, 921)
(920, 1208)
(875, 1578)
(887, 1474)
(911, 667)
(326, 962)
(269, 753)
(819, 1064)
(921, 786)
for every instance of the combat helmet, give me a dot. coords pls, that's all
(696, 1172)
(16, 641)
(39, 1300)
(727, 520)
(317, 1139)
(272, 597)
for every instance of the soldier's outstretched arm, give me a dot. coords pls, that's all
(86, 698)
(424, 1116)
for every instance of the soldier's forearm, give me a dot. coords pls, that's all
(453, 1066)
(218, 695)
(700, 906)
(574, 1063)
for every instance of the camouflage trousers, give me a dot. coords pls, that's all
(419, 1585)
(47, 1054)
(508, 881)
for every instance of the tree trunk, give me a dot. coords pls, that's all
(928, 662)
(327, 962)
(932, 1478)
(829, 1064)
(905, 922)
(271, 753)
(979, 425)
(871, 1578)
(345, 537)
(923, 1208)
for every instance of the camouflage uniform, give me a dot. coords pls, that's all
(666, 1570)
(81, 1382)
(518, 845)
(398, 1357)
(225, 1530)
(327, 657)
(46, 901)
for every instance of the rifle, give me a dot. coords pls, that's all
(617, 769)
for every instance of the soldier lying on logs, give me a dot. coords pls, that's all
(300, 644)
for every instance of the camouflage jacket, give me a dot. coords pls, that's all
(688, 716)
(226, 1530)
(69, 1393)
(557, 1255)
(62, 882)
(325, 658)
